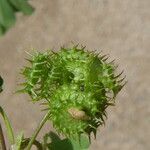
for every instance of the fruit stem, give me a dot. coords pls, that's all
(43, 121)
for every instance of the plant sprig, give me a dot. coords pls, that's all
(75, 86)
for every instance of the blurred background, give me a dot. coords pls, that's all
(119, 28)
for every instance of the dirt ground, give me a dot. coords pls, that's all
(120, 28)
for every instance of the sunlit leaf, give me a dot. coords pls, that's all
(22, 5)
(8, 10)
(7, 16)
(56, 143)
(81, 144)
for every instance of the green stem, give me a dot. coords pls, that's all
(8, 126)
(2, 140)
(38, 130)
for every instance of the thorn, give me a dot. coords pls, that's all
(121, 79)
(54, 52)
(89, 138)
(92, 126)
(32, 91)
(94, 132)
(43, 104)
(20, 91)
(40, 63)
(112, 62)
(105, 114)
(62, 48)
(29, 60)
(111, 104)
(124, 84)
(98, 53)
(94, 51)
(30, 84)
(29, 54)
(83, 47)
(119, 74)
(76, 46)
(22, 84)
(115, 67)
(105, 58)
(45, 109)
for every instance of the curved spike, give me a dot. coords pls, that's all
(112, 62)
(76, 46)
(121, 79)
(116, 66)
(105, 58)
(29, 54)
(45, 109)
(94, 51)
(98, 53)
(124, 84)
(92, 126)
(44, 103)
(83, 47)
(40, 63)
(119, 74)
(29, 60)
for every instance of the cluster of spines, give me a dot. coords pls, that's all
(35, 75)
(48, 73)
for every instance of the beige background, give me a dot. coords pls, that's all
(118, 27)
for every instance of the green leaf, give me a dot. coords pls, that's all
(80, 144)
(63, 145)
(8, 126)
(1, 83)
(7, 16)
(51, 141)
(67, 144)
(22, 5)
(1, 30)
(51, 136)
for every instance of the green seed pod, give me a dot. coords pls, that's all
(77, 85)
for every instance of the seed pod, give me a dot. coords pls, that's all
(77, 85)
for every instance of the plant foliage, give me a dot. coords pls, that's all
(8, 9)
(65, 144)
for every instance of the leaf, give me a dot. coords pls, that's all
(1, 83)
(81, 144)
(23, 6)
(7, 16)
(8, 126)
(66, 144)
(2, 31)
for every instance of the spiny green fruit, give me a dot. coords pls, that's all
(77, 85)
